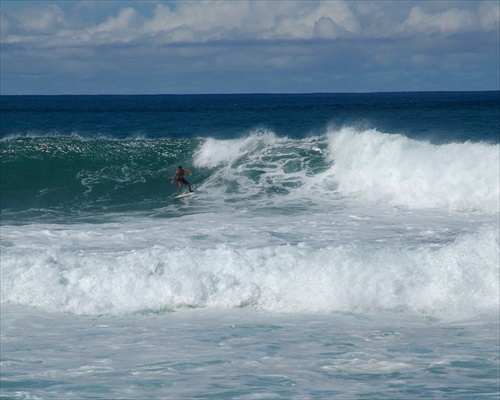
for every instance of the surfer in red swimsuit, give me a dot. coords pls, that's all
(179, 175)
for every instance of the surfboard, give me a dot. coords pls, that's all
(183, 195)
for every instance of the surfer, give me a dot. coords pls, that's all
(179, 174)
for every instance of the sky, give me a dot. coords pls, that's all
(248, 46)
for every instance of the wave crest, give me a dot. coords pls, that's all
(400, 171)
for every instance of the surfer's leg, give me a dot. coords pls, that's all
(187, 183)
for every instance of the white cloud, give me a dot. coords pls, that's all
(272, 41)
(125, 20)
(204, 21)
(41, 19)
(263, 20)
(326, 28)
(489, 15)
(447, 22)
(121, 29)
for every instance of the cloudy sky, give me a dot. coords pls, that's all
(248, 46)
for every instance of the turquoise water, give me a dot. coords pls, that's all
(336, 246)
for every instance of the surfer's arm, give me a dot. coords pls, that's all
(173, 178)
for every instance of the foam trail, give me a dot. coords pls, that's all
(397, 170)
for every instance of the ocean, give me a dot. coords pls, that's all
(336, 246)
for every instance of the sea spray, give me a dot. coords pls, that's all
(460, 279)
(396, 170)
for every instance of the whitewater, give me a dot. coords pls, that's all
(349, 261)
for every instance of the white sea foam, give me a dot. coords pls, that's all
(368, 165)
(460, 279)
(214, 153)
(262, 164)
(397, 170)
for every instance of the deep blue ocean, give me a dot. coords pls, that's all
(336, 246)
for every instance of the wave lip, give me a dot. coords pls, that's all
(215, 153)
(397, 170)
